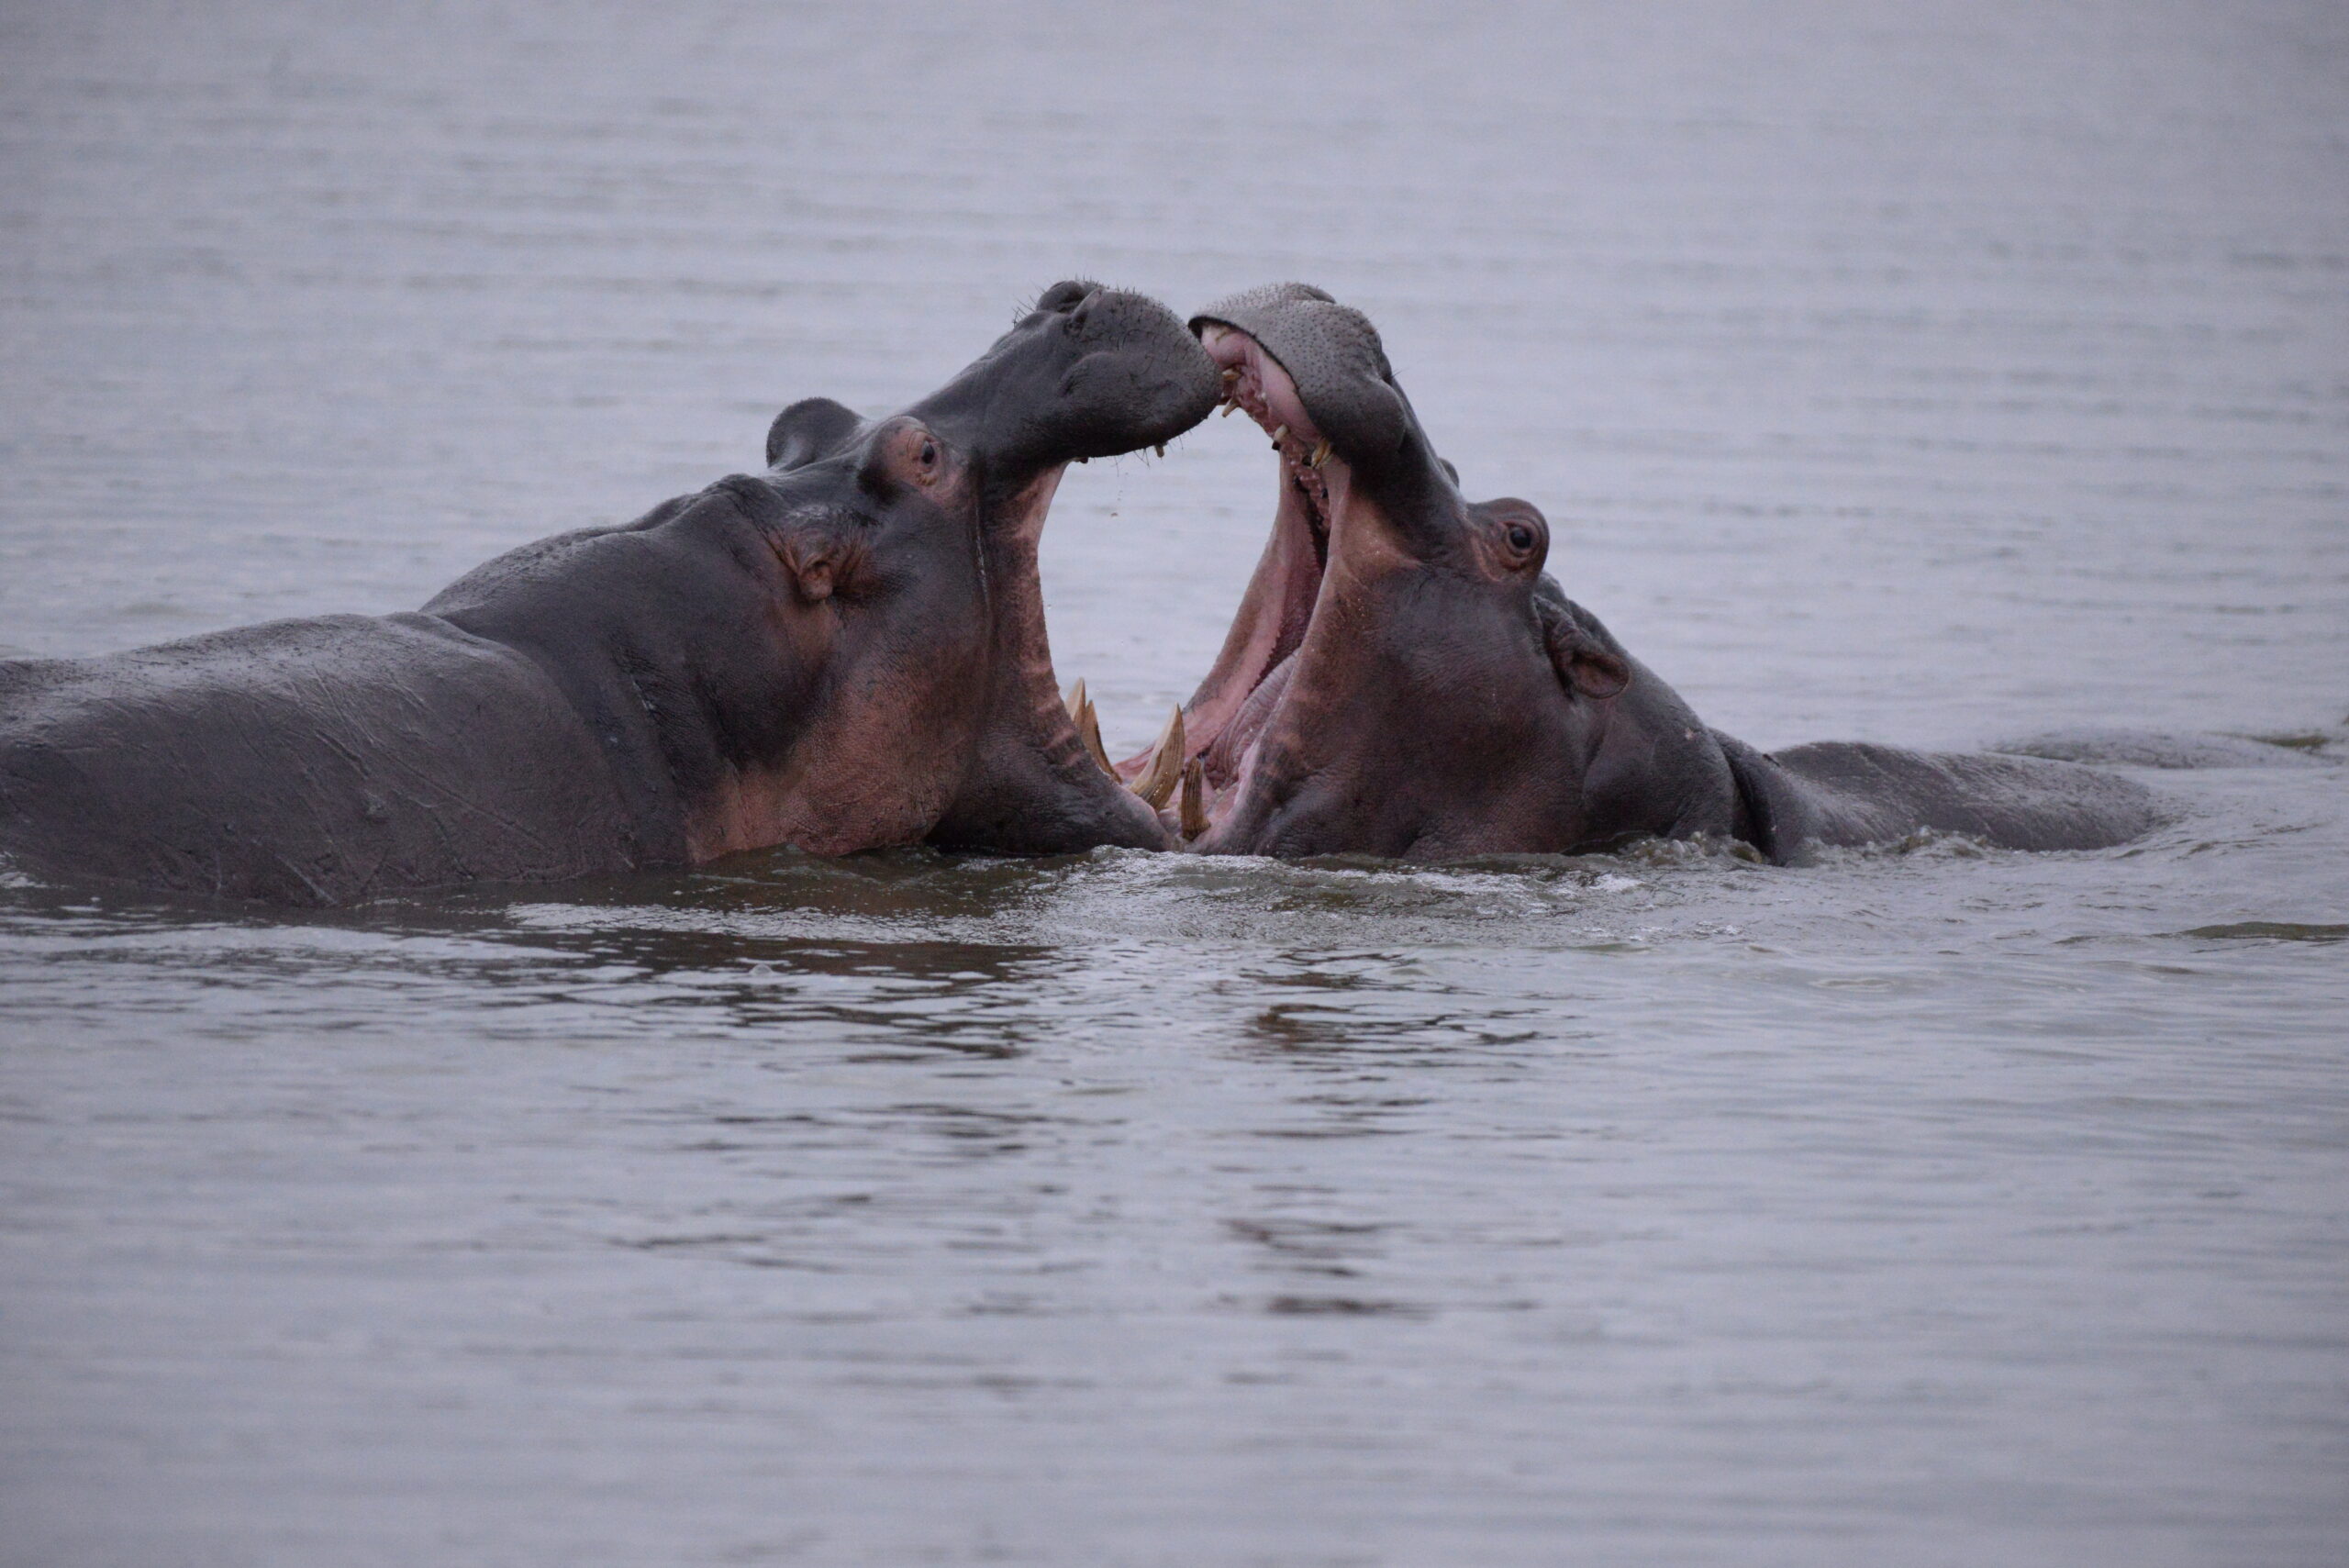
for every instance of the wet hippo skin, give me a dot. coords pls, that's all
(845, 650)
(1403, 678)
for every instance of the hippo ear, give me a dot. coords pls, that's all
(1583, 663)
(808, 429)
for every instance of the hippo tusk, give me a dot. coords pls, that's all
(1320, 454)
(1193, 809)
(1156, 785)
(1089, 726)
(1088, 730)
(1280, 435)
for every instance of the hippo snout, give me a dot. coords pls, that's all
(1142, 378)
(1332, 356)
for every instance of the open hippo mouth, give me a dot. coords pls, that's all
(1208, 746)
(1229, 711)
(1089, 372)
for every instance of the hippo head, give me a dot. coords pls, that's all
(1400, 678)
(911, 543)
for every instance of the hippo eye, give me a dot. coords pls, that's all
(1521, 538)
(929, 454)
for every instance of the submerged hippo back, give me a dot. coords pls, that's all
(302, 761)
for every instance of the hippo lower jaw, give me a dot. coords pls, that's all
(1035, 785)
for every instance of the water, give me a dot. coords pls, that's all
(1930, 375)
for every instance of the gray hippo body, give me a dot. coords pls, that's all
(309, 762)
(847, 650)
(1404, 679)
(1655, 770)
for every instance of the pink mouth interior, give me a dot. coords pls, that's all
(1233, 705)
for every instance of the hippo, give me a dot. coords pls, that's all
(845, 651)
(1404, 679)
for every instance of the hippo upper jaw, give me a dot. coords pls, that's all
(1089, 372)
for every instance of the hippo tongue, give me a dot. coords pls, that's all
(1229, 754)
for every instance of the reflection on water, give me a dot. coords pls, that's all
(1931, 375)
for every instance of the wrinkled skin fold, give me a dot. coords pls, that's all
(845, 651)
(1403, 677)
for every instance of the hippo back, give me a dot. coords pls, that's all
(302, 761)
(1853, 793)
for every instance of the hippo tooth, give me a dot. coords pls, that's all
(1320, 454)
(1088, 730)
(1230, 375)
(1089, 726)
(1193, 807)
(1156, 785)
(1230, 408)
(1280, 435)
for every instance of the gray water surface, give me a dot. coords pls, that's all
(1942, 375)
